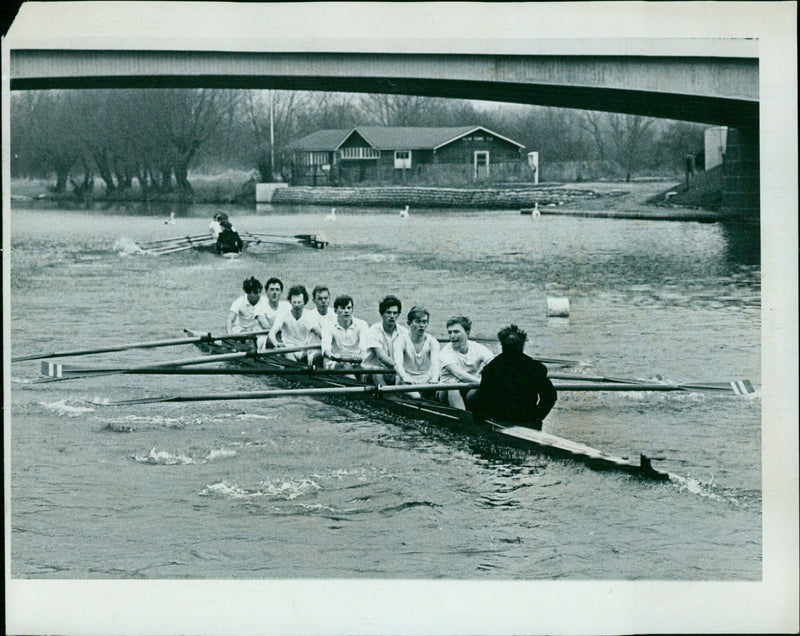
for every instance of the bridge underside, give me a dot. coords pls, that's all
(701, 109)
(710, 90)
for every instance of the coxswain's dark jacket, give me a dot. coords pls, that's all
(514, 388)
(228, 241)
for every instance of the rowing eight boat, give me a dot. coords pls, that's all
(438, 414)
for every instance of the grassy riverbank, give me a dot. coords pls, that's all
(231, 186)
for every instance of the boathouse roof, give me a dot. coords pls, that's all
(391, 137)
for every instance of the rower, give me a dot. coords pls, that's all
(274, 289)
(343, 343)
(247, 311)
(462, 361)
(514, 387)
(416, 353)
(380, 339)
(322, 314)
(228, 241)
(294, 324)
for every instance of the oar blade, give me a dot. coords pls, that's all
(743, 387)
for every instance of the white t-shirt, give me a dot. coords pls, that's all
(246, 314)
(320, 321)
(271, 314)
(338, 341)
(377, 338)
(420, 367)
(476, 357)
(295, 332)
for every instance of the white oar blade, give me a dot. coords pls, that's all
(743, 387)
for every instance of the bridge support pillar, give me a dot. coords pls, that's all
(741, 186)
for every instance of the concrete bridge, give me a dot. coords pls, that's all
(708, 81)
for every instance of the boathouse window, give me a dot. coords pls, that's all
(402, 159)
(316, 158)
(360, 153)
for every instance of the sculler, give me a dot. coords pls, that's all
(343, 343)
(416, 353)
(514, 387)
(462, 361)
(246, 312)
(228, 241)
(294, 324)
(380, 339)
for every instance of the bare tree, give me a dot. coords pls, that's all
(256, 109)
(629, 135)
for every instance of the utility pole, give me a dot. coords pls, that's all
(271, 139)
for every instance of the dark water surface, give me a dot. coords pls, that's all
(296, 487)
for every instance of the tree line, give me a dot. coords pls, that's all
(154, 137)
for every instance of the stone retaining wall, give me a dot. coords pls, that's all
(399, 196)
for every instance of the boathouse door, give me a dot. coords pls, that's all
(481, 165)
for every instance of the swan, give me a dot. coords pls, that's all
(404, 213)
(331, 216)
(535, 214)
(171, 220)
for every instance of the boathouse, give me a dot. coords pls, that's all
(382, 155)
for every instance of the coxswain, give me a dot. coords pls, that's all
(228, 241)
(380, 339)
(462, 360)
(294, 324)
(416, 353)
(343, 343)
(514, 387)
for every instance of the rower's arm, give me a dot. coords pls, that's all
(382, 357)
(229, 323)
(327, 343)
(273, 332)
(397, 356)
(436, 365)
(459, 373)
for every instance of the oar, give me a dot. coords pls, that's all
(259, 395)
(140, 345)
(174, 239)
(63, 370)
(55, 370)
(738, 387)
(375, 390)
(278, 240)
(182, 248)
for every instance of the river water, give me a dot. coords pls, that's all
(298, 488)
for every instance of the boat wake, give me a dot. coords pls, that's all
(125, 247)
(63, 408)
(282, 490)
(165, 458)
(710, 490)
